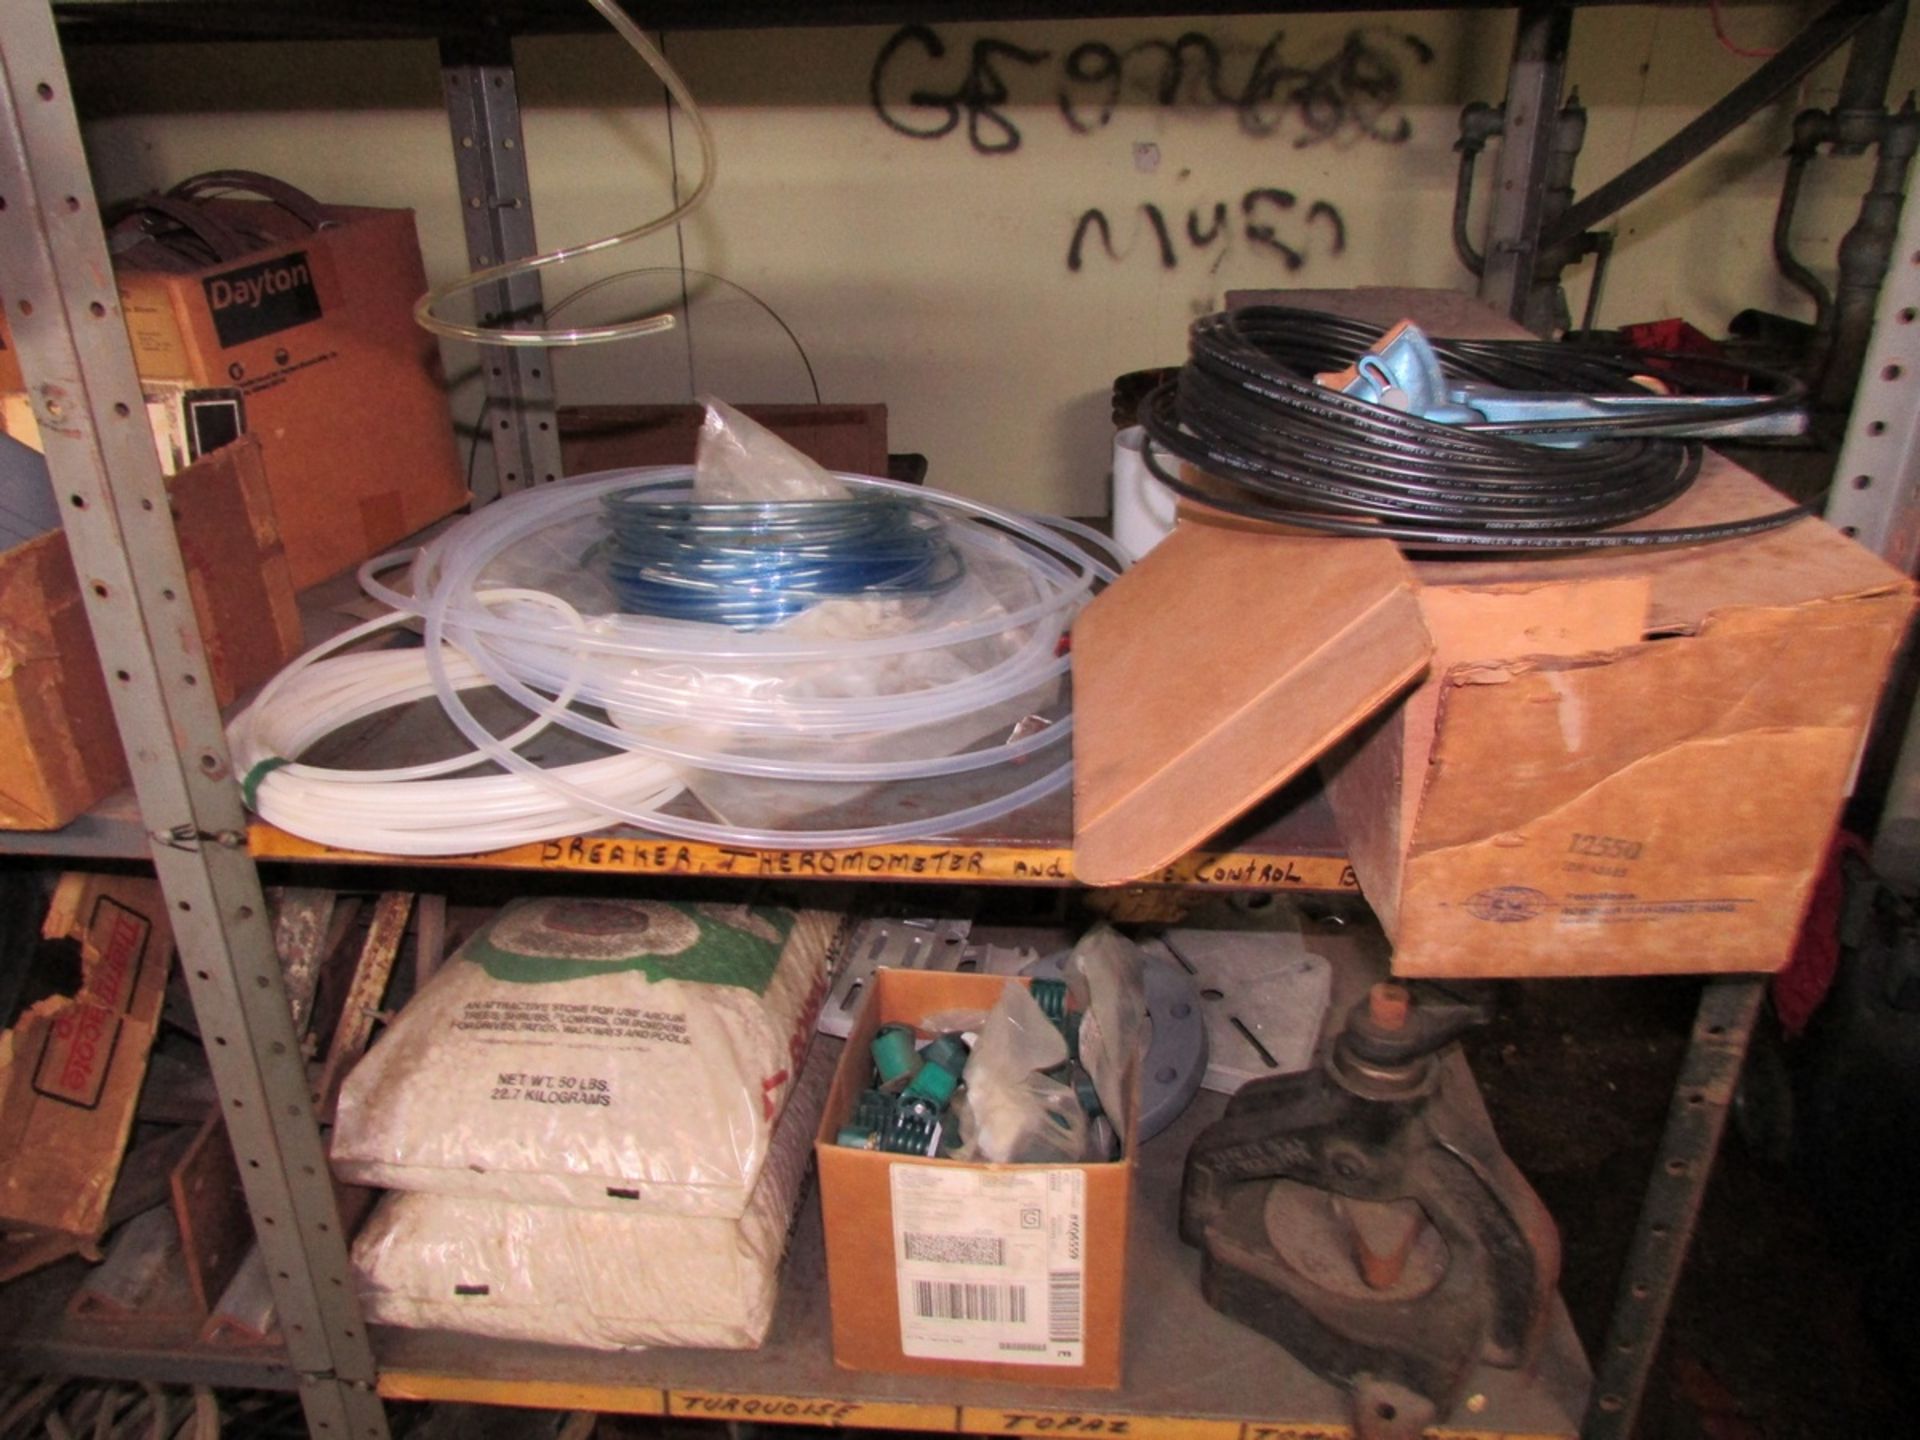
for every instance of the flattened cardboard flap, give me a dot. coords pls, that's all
(1214, 671)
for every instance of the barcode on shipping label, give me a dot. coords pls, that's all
(990, 1264)
(950, 1300)
(1063, 1306)
(957, 1249)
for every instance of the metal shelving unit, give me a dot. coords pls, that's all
(87, 399)
(1191, 1372)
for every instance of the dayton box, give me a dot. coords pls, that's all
(342, 388)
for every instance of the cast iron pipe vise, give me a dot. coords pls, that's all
(1364, 1216)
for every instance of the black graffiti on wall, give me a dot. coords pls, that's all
(1355, 92)
(1269, 219)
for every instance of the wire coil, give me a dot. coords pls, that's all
(1246, 410)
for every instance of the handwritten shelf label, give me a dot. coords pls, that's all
(1018, 864)
(980, 1421)
(812, 1410)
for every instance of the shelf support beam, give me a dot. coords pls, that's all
(57, 280)
(1535, 77)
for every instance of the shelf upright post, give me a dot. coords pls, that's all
(1875, 496)
(1696, 1121)
(496, 204)
(1535, 77)
(66, 319)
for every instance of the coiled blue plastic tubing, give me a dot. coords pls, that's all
(749, 564)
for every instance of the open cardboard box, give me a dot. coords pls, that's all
(1619, 762)
(71, 1067)
(59, 749)
(895, 1224)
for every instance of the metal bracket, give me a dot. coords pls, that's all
(490, 158)
(67, 322)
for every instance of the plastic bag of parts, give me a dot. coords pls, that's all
(1106, 979)
(559, 1275)
(1009, 1111)
(619, 1054)
(738, 458)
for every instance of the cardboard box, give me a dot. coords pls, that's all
(606, 437)
(1620, 762)
(343, 389)
(59, 748)
(71, 1069)
(1623, 764)
(877, 1208)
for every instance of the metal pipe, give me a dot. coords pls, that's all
(1825, 34)
(1810, 128)
(1602, 257)
(1479, 122)
(1546, 309)
(1534, 78)
(1865, 253)
(1862, 103)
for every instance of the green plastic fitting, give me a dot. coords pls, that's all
(1051, 996)
(912, 1128)
(949, 1052)
(859, 1137)
(935, 1084)
(894, 1055)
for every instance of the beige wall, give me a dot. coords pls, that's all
(926, 274)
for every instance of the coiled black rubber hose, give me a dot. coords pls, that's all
(1245, 410)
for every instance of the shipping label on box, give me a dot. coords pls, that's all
(71, 1068)
(990, 1263)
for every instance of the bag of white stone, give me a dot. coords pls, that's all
(565, 1276)
(620, 1054)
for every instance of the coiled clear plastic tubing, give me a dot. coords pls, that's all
(423, 310)
(646, 673)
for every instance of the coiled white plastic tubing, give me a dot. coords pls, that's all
(410, 810)
(654, 681)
